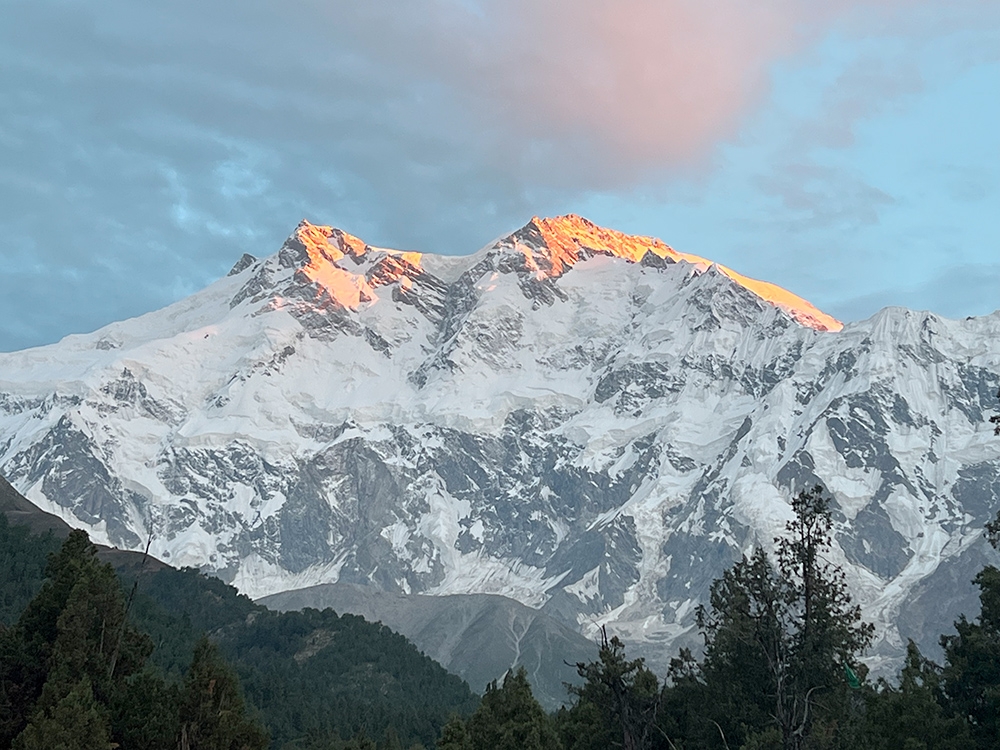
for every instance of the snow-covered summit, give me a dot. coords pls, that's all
(349, 270)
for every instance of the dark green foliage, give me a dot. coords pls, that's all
(829, 632)
(315, 677)
(617, 704)
(509, 718)
(454, 736)
(72, 721)
(360, 742)
(686, 705)
(177, 607)
(22, 567)
(912, 716)
(318, 679)
(145, 713)
(972, 664)
(583, 727)
(777, 639)
(71, 645)
(315, 674)
(746, 640)
(73, 657)
(213, 714)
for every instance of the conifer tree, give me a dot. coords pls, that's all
(509, 718)
(21, 680)
(624, 694)
(972, 664)
(72, 721)
(582, 726)
(972, 656)
(911, 715)
(454, 736)
(993, 526)
(390, 741)
(777, 638)
(360, 741)
(74, 632)
(213, 714)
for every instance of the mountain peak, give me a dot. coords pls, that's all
(571, 238)
(566, 235)
(348, 270)
(327, 247)
(602, 443)
(324, 243)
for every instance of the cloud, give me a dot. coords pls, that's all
(596, 92)
(606, 92)
(818, 197)
(145, 146)
(616, 88)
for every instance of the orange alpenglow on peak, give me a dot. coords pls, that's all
(327, 246)
(566, 236)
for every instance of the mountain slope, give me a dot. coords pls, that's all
(574, 418)
(479, 637)
(315, 674)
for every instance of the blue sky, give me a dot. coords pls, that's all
(848, 151)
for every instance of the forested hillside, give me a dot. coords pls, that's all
(90, 659)
(85, 649)
(780, 671)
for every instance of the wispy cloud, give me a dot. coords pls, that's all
(144, 146)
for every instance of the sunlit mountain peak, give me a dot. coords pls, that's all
(348, 270)
(351, 284)
(568, 239)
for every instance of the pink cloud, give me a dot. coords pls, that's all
(644, 80)
(609, 89)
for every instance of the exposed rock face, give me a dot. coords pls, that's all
(579, 420)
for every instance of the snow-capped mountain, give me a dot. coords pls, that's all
(581, 420)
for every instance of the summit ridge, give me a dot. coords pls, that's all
(566, 236)
(550, 247)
